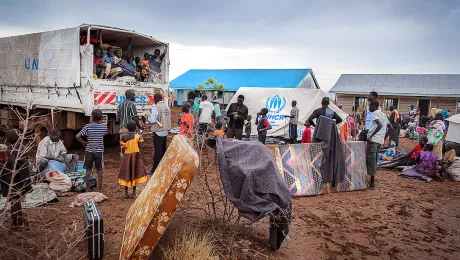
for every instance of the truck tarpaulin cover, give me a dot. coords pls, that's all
(278, 102)
(41, 59)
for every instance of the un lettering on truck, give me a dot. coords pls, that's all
(41, 59)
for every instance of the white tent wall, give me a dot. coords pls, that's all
(41, 59)
(453, 133)
(278, 101)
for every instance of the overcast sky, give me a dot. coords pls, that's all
(330, 37)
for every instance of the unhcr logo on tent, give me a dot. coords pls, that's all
(275, 104)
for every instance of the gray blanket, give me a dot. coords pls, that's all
(333, 162)
(254, 185)
(250, 178)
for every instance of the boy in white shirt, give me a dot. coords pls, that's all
(375, 139)
(205, 115)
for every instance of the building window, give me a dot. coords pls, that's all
(390, 102)
(360, 102)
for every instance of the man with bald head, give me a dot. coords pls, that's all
(324, 110)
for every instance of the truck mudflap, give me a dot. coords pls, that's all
(114, 98)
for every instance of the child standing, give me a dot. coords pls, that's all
(132, 170)
(15, 165)
(306, 136)
(375, 139)
(262, 125)
(247, 129)
(219, 130)
(94, 153)
(186, 121)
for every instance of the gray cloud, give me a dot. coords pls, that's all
(332, 37)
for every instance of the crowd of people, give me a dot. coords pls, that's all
(114, 63)
(205, 119)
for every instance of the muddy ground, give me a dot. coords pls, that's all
(401, 219)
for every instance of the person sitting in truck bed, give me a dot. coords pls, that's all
(127, 68)
(98, 65)
(110, 65)
(144, 66)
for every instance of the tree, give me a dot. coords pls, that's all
(210, 85)
(214, 85)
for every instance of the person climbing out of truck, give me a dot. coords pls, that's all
(15, 176)
(155, 61)
(98, 63)
(110, 65)
(94, 153)
(51, 148)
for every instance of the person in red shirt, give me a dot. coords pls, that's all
(407, 159)
(306, 136)
(98, 66)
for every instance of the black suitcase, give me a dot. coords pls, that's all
(94, 231)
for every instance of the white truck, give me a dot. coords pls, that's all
(51, 74)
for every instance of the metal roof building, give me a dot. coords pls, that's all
(233, 79)
(425, 91)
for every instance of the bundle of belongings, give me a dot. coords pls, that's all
(60, 174)
(252, 182)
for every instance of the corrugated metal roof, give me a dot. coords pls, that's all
(233, 79)
(436, 85)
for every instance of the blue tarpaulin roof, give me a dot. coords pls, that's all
(233, 79)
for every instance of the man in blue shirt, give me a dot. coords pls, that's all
(367, 116)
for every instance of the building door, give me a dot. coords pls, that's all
(180, 97)
(424, 106)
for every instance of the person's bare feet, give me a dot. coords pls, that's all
(126, 196)
(134, 196)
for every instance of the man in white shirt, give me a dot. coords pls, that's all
(375, 139)
(205, 115)
(367, 116)
(52, 148)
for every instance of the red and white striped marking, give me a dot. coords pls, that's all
(104, 97)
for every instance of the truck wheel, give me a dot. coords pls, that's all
(68, 138)
(41, 132)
